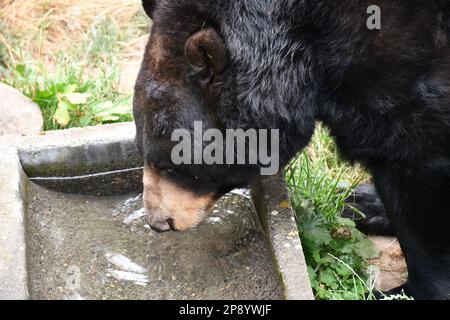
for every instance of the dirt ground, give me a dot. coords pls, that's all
(130, 66)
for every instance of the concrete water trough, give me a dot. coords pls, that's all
(72, 227)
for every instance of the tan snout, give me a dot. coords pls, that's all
(170, 207)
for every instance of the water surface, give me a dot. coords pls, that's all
(86, 247)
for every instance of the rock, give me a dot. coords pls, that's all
(18, 114)
(391, 263)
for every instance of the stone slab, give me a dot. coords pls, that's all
(19, 115)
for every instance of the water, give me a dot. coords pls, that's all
(85, 247)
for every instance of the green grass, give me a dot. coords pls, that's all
(336, 252)
(82, 88)
(67, 100)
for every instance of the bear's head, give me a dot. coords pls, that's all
(199, 65)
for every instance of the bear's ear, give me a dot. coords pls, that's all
(149, 7)
(205, 49)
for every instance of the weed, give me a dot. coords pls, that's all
(336, 252)
(80, 87)
(67, 100)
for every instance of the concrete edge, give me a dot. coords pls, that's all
(60, 153)
(13, 270)
(27, 152)
(273, 205)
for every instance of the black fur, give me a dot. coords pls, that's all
(384, 94)
(365, 207)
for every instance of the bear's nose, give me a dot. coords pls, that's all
(160, 225)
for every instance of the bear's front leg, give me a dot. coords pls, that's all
(416, 198)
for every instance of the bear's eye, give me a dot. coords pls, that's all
(161, 166)
(169, 173)
(166, 169)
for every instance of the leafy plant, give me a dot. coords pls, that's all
(67, 100)
(336, 252)
(80, 87)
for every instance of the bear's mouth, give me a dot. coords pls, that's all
(171, 207)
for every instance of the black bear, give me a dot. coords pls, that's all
(383, 92)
